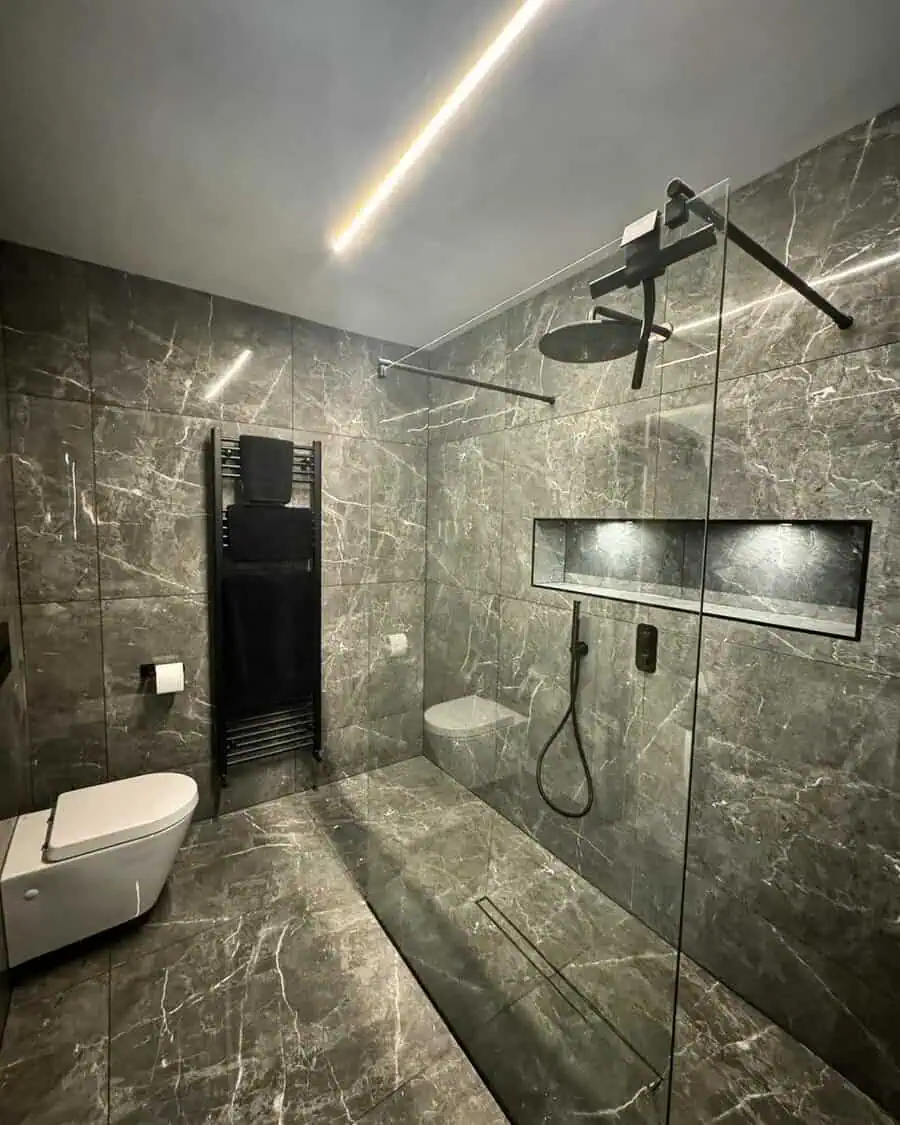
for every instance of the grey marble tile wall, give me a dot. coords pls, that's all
(495, 466)
(602, 450)
(792, 886)
(13, 715)
(114, 382)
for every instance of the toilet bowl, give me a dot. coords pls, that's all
(98, 858)
(471, 737)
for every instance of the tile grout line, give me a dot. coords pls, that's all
(548, 605)
(92, 408)
(15, 530)
(208, 420)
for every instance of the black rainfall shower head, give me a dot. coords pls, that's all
(609, 335)
(591, 341)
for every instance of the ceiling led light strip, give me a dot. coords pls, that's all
(479, 72)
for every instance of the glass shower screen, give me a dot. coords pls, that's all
(550, 942)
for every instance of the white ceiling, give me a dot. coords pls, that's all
(217, 143)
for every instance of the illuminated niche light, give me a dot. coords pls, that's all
(470, 83)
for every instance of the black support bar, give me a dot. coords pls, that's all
(385, 365)
(679, 189)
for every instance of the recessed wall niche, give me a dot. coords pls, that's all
(808, 575)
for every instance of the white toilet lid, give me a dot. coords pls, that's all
(86, 820)
(469, 716)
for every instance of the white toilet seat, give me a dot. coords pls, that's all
(100, 816)
(100, 858)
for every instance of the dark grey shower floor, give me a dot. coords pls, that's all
(262, 989)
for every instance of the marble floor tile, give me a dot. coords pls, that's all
(560, 913)
(467, 965)
(278, 1017)
(339, 812)
(628, 975)
(262, 987)
(53, 1062)
(414, 791)
(552, 1063)
(732, 1064)
(57, 972)
(445, 857)
(448, 1093)
(244, 862)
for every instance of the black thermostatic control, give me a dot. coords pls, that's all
(645, 648)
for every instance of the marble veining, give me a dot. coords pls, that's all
(834, 215)
(465, 660)
(44, 317)
(162, 348)
(337, 389)
(151, 510)
(465, 483)
(118, 380)
(14, 742)
(65, 697)
(56, 499)
(792, 875)
(457, 411)
(723, 1047)
(791, 889)
(261, 986)
(148, 731)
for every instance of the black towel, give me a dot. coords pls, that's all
(267, 469)
(271, 642)
(269, 534)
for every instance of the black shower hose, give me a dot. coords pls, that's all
(578, 651)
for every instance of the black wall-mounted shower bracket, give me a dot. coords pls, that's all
(647, 267)
(683, 199)
(646, 259)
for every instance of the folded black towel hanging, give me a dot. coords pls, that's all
(267, 469)
(271, 652)
(270, 534)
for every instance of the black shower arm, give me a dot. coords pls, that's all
(678, 189)
(620, 317)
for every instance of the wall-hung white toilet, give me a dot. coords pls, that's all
(471, 738)
(99, 858)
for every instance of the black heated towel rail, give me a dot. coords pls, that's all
(293, 729)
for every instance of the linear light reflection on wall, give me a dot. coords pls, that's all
(216, 387)
(833, 278)
(486, 63)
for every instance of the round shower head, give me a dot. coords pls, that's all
(591, 341)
